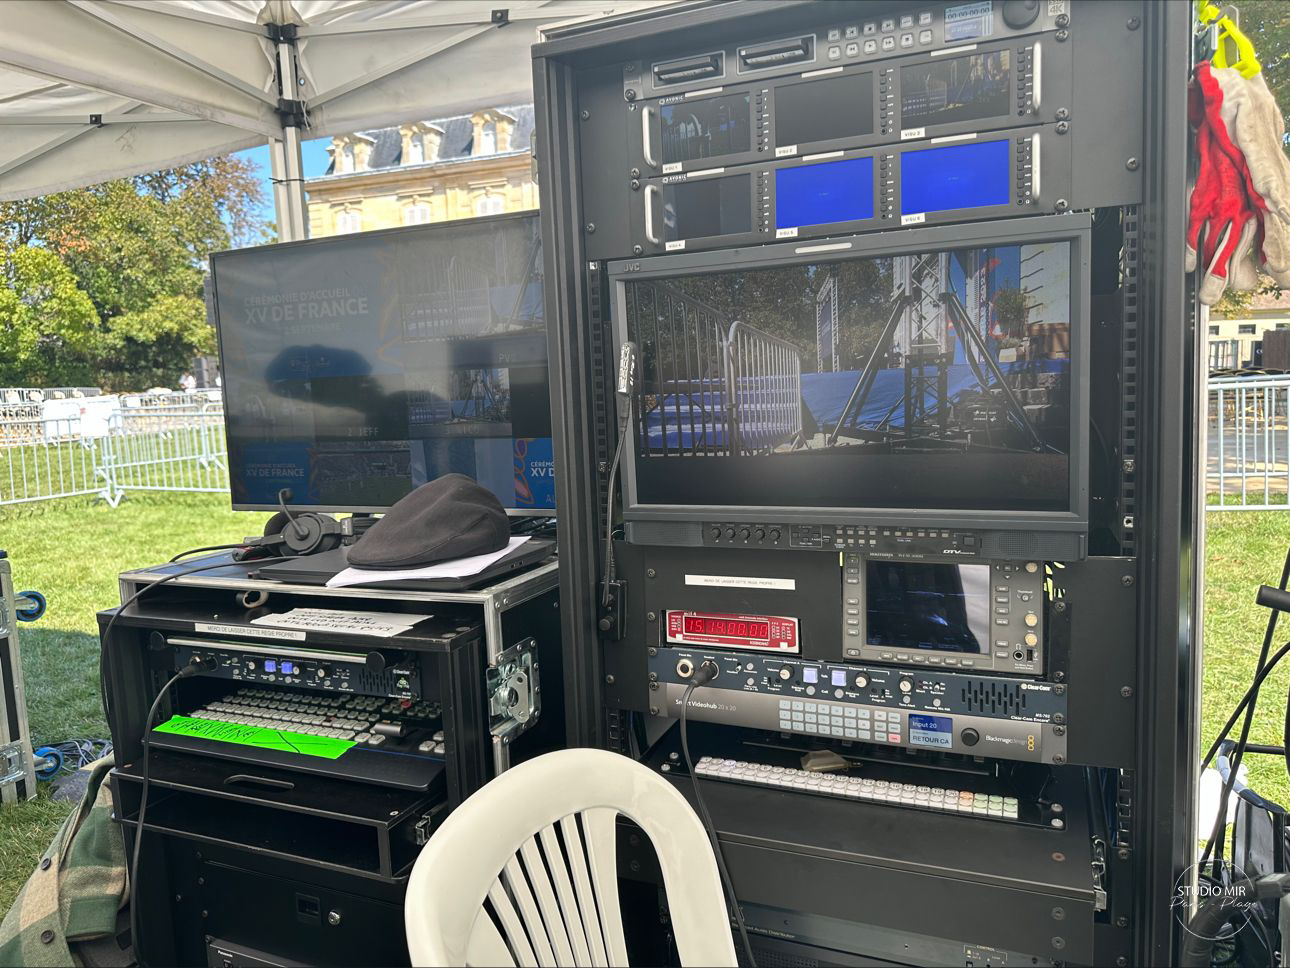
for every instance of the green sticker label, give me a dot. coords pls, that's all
(267, 739)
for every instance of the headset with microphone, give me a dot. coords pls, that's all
(293, 533)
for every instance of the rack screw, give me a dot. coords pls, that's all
(1059, 759)
(585, 115)
(652, 616)
(1063, 114)
(653, 711)
(1059, 914)
(653, 651)
(650, 573)
(333, 918)
(1126, 580)
(1059, 943)
(630, 94)
(1126, 692)
(1131, 164)
(1059, 606)
(1121, 922)
(1063, 127)
(1133, 23)
(1122, 853)
(637, 249)
(609, 680)
(591, 228)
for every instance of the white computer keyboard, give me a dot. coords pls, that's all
(859, 788)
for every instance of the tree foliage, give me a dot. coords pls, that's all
(47, 324)
(134, 251)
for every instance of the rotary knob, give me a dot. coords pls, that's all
(862, 680)
(775, 534)
(714, 534)
(730, 534)
(1032, 567)
(1032, 639)
(1018, 14)
(786, 673)
(970, 737)
(1031, 620)
(906, 684)
(745, 534)
(760, 534)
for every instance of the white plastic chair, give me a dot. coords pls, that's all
(538, 845)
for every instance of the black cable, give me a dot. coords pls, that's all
(698, 680)
(192, 669)
(1218, 836)
(107, 629)
(1240, 707)
(194, 551)
(623, 424)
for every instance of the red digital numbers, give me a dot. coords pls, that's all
(737, 628)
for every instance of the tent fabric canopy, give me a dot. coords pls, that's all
(97, 89)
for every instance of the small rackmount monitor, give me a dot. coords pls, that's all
(858, 379)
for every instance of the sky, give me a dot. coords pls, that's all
(313, 153)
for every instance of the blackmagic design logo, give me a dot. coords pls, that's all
(1214, 882)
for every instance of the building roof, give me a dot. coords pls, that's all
(458, 133)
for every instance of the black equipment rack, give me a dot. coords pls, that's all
(261, 853)
(807, 870)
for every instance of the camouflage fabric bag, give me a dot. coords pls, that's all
(74, 895)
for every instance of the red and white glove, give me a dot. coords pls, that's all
(1250, 129)
(1223, 225)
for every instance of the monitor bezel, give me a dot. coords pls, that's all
(1075, 228)
(424, 228)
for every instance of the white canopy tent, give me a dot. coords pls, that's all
(97, 89)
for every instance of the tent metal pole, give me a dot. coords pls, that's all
(284, 153)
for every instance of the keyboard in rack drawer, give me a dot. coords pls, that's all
(363, 738)
(850, 787)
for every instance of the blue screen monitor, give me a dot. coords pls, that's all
(831, 191)
(973, 175)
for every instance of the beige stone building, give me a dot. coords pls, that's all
(1232, 341)
(426, 171)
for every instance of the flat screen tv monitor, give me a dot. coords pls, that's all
(939, 371)
(357, 367)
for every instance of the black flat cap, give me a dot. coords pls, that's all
(451, 517)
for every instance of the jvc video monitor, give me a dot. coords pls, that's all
(357, 367)
(944, 375)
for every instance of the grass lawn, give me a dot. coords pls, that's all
(1243, 550)
(74, 550)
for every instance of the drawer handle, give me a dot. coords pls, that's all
(262, 781)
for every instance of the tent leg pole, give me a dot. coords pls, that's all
(288, 167)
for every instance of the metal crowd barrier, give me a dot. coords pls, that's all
(146, 442)
(173, 444)
(764, 387)
(1248, 443)
(710, 387)
(682, 407)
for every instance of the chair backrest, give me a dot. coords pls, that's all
(525, 871)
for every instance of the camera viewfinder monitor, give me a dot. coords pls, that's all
(358, 367)
(939, 371)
